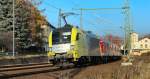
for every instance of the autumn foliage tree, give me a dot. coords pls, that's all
(28, 22)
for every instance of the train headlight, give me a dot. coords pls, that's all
(72, 47)
(70, 55)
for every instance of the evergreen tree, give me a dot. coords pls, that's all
(22, 30)
(6, 15)
(28, 22)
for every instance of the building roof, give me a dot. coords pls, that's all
(145, 36)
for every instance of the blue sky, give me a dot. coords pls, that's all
(100, 21)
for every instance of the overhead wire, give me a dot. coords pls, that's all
(47, 3)
(74, 3)
(103, 20)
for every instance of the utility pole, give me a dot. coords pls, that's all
(13, 27)
(59, 18)
(128, 30)
(127, 27)
(81, 19)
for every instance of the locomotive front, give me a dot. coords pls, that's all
(61, 45)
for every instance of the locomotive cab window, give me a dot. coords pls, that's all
(55, 37)
(66, 37)
(78, 34)
(60, 38)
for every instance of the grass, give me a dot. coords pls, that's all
(139, 70)
(132, 72)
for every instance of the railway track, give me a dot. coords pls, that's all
(22, 67)
(17, 71)
(26, 70)
(22, 70)
(18, 65)
(66, 74)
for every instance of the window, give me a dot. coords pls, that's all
(141, 46)
(145, 45)
(66, 38)
(78, 36)
(56, 37)
(145, 40)
(61, 37)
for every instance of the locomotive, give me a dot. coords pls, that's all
(71, 44)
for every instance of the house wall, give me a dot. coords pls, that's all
(144, 43)
(141, 46)
(134, 41)
(46, 31)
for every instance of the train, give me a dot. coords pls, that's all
(70, 44)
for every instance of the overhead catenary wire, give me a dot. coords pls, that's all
(62, 11)
(50, 5)
(100, 19)
(74, 3)
(48, 10)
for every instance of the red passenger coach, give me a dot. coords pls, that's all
(101, 46)
(108, 50)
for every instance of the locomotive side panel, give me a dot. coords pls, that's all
(93, 49)
(88, 45)
(82, 45)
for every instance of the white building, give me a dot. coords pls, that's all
(144, 43)
(134, 41)
(46, 30)
(141, 45)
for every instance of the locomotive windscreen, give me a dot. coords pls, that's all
(61, 37)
